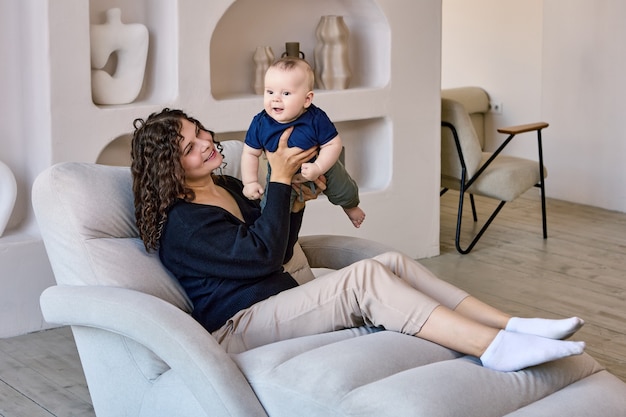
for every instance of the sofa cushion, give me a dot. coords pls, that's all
(298, 266)
(387, 372)
(582, 398)
(130, 251)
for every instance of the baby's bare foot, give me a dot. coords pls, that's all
(356, 215)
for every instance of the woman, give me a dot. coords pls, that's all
(228, 256)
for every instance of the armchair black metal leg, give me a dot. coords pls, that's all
(544, 220)
(543, 212)
(473, 207)
(457, 238)
(542, 187)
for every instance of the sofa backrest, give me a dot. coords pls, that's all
(87, 220)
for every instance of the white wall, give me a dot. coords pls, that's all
(496, 45)
(47, 115)
(584, 85)
(559, 61)
(25, 142)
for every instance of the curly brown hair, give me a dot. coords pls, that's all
(158, 175)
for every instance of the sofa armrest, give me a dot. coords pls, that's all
(335, 252)
(169, 332)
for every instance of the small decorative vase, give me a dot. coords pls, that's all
(292, 49)
(263, 58)
(8, 194)
(332, 68)
(130, 43)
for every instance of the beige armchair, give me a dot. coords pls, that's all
(467, 168)
(477, 104)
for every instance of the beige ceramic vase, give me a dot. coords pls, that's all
(263, 58)
(332, 67)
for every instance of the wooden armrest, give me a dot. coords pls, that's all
(514, 130)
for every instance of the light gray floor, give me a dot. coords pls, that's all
(40, 375)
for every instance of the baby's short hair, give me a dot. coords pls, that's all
(289, 63)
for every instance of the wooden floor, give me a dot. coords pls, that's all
(41, 376)
(579, 270)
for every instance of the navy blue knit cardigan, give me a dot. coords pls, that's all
(226, 265)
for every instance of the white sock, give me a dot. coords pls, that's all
(514, 351)
(553, 329)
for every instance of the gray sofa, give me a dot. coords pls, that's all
(143, 354)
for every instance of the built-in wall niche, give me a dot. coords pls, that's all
(275, 22)
(369, 151)
(116, 152)
(160, 83)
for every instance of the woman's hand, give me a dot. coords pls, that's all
(305, 192)
(286, 161)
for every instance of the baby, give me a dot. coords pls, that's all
(287, 101)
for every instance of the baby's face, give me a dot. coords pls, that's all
(286, 94)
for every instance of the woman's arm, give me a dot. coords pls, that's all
(208, 241)
(286, 161)
(297, 211)
(305, 192)
(205, 241)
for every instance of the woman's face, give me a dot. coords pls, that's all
(199, 156)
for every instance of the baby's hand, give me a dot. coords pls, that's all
(253, 191)
(311, 171)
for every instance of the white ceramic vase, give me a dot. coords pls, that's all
(332, 66)
(263, 58)
(130, 43)
(8, 194)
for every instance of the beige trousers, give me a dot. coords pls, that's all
(390, 290)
